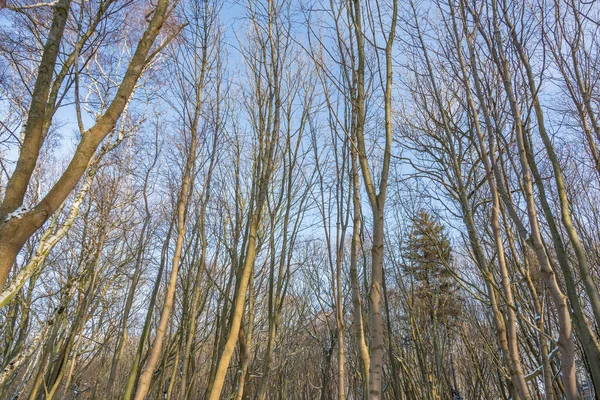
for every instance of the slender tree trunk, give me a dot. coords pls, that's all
(216, 386)
(376, 199)
(340, 326)
(184, 195)
(132, 380)
(245, 346)
(122, 338)
(376, 312)
(356, 297)
(396, 387)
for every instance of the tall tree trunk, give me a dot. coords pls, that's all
(184, 195)
(356, 296)
(376, 199)
(133, 378)
(216, 386)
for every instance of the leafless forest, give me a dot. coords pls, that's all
(300, 199)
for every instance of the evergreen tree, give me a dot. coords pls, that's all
(428, 257)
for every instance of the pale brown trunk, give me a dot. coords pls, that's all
(340, 330)
(184, 195)
(245, 346)
(376, 199)
(133, 377)
(216, 386)
(375, 307)
(356, 297)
